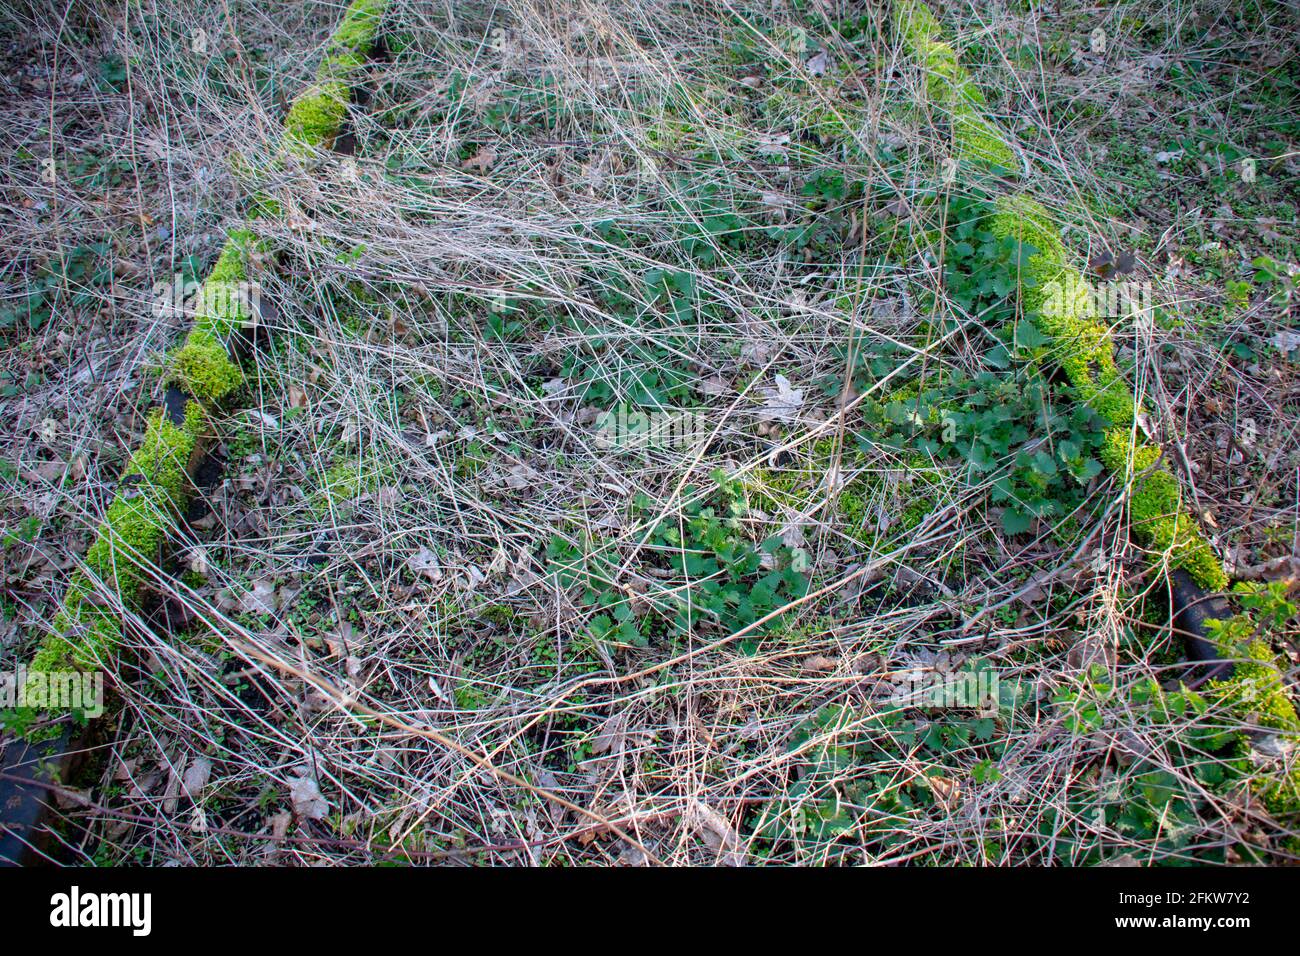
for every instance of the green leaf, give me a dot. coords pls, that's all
(1015, 521)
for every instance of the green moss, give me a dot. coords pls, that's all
(204, 369)
(318, 112)
(798, 488)
(85, 630)
(155, 485)
(922, 501)
(230, 265)
(1155, 507)
(791, 487)
(1187, 549)
(338, 67)
(84, 633)
(976, 139)
(1064, 310)
(917, 24)
(223, 304)
(1257, 685)
(357, 28)
(155, 481)
(315, 116)
(1257, 693)
(1081, 345)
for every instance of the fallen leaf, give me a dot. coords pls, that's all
(522, 476)
(756, 352)
(947, 793)
(1288, 340)
(425, 562)
(197, 560)
(612, 736)
(482, 160)
(782, 402)
(196, 777)
(713, 385)
(773, 144)
(261, 599)
(717, 834)
(307, 799)
(280, 824)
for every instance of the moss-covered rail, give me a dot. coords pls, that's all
(202, 375)
(1057, 295)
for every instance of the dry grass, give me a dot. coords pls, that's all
(373, 597)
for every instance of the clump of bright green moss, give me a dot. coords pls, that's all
(231, 262)
(203, 367)
(356, 30)
(975, 139)
(223, 304)
(155, 485)
(1065, 311)
(83, 632)
(1155, 507)
(315, 116)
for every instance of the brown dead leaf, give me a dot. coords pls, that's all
(818, 663)
(196, 777)
(482, 160)
(261, 599)
(613, 735)
(425, 562)
(307, 799)
(945, 791)
(717, 834)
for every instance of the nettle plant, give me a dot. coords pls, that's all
(1156, 793)
(1004, 426)
(1001, 428)
(712, 576)
(72, 278)
(727, 582)
(1198, 747)
(865, 778)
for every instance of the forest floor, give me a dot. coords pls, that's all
(439, 509)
